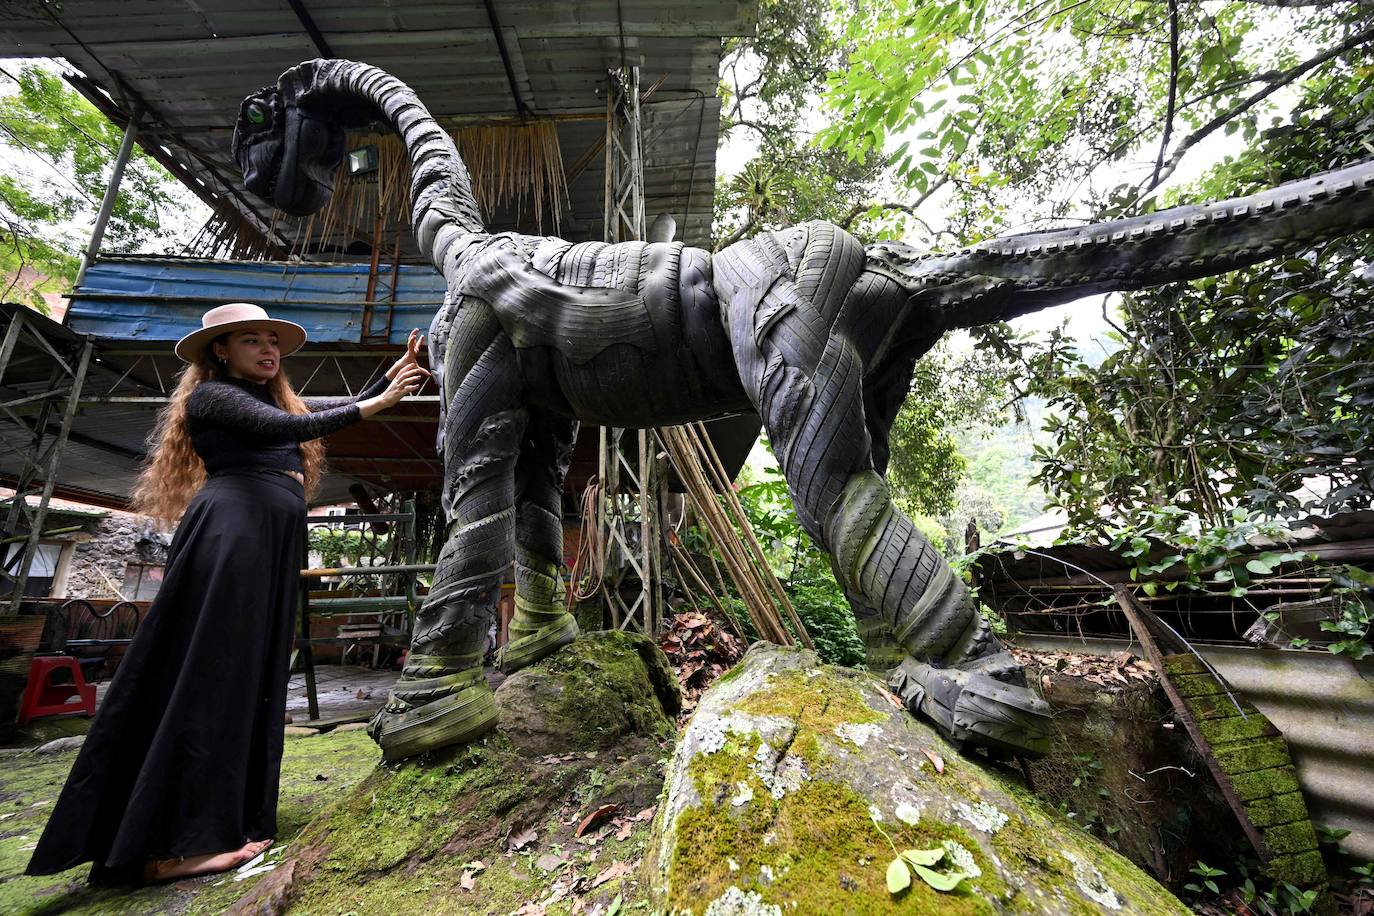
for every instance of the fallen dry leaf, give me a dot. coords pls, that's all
(611, 872)
(518, 840)
(646, 814)
(468, 881)
(623, 829)
(935, 759)
(891, 698)
(596, 817)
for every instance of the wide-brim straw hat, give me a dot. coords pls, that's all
(237, 316)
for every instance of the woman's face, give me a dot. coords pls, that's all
(250, 354)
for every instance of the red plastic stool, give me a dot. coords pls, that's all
(44, 698)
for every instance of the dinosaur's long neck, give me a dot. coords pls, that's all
(1018, 274)
(443, 212)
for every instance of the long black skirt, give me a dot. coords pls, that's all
(184, 756)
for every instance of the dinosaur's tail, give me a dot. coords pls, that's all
(1183, 243)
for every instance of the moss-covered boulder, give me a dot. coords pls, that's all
(551, 810)
(590, 696)
(802, 788)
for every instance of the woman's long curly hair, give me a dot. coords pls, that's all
(174, 472)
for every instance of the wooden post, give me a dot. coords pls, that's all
(1140, 619)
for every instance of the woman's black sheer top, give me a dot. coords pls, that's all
(236, 425)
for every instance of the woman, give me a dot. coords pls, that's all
(179, 773)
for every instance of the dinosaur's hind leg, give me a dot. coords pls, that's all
(953, 671)
(442, 697)
(542, 622)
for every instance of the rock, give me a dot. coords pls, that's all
(300, 731)
(434, 831)
(1111, 758)
(795, 786)
(59, 745)
(549, 862)
(589, 695)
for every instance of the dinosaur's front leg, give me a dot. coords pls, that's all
(542, 622)
(442, 697)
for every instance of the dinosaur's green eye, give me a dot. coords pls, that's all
(257, 114)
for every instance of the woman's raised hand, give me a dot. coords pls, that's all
(407, 380)
(412, 354)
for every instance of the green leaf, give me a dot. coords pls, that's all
(941, 881)
(898, 876)
(923, 856)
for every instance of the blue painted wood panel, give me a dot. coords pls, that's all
(162, 299)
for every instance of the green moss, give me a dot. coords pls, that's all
(1197, 685)
(378, 857)
(1265, 783)
(1304, 869)
(1290, 839)
(30, 784)
(1278, 809)
(732, 674)
(824, 852)
(1220, 732)
(1184, 664)
(599, 690)
(1220, 706)
(397, 813)
(817, 704)
(1034, 845)
(1263, 754)
(727, 768)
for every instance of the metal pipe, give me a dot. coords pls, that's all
(111, 193)
(367, 570)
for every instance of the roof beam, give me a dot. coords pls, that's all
(311, 29)
(505, 59)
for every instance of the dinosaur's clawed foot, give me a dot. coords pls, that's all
(526, 649)
(982, 702)
(403, 730)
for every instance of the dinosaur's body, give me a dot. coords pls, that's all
(806, 326)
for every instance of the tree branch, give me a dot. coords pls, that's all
(739, 233)
(1254, 99)
(1173, 92)
(910, 208)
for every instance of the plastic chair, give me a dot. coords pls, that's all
(44, 698)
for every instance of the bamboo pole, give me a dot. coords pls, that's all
(745, 561)
(770, 579)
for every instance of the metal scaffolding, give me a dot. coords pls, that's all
(42, 369)
(629, 523)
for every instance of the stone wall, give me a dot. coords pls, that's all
(98, 563)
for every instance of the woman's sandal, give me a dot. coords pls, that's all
(159, 871)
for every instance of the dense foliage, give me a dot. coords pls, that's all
(1245, 388)
(47, 204)
(1251, 388)
(804, 571)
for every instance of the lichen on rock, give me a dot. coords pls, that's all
(857, 791)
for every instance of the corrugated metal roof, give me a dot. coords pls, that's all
(191, 65)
